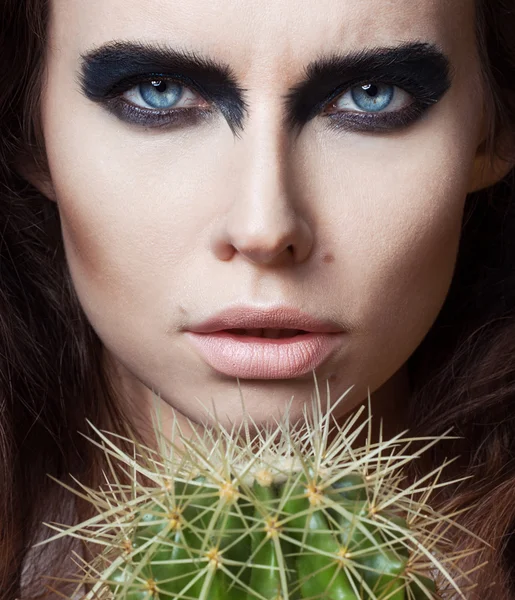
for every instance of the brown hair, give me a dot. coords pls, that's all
(462, 375)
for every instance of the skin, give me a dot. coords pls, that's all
(163, 228)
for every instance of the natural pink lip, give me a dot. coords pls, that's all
(278, 317)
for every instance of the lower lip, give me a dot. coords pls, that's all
(263, 358)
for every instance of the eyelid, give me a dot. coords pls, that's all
(147, 79)
(124, 85)
(409, 85)
(358, 121)
(333, 103)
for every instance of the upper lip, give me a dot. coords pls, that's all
(278, 317)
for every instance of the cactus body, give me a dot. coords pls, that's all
(283, 515)
(294, 544)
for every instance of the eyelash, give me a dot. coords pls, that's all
(342, 120)
(363, 121)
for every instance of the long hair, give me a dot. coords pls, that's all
(52, 369)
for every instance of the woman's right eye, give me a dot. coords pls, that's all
(162, 95)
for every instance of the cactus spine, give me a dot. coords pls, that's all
(285, 513)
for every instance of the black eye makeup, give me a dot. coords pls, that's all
(374, 90)
(163, 97)
(112, 69)
(373, 79)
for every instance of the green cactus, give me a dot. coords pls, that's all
(284, 515)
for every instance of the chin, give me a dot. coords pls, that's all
(263, 405)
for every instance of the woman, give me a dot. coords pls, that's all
(162, 161)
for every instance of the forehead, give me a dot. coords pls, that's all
(269, 38)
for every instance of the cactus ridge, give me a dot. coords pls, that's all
(291, 512)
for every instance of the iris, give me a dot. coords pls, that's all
(373, 97)
(160, 94)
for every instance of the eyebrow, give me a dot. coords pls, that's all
(422, 64)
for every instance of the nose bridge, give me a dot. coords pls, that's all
(264, 155)
(262, 223)
(266, 151)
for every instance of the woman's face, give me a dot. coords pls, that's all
(170, 214)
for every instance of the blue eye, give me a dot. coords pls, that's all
(372, 97)
(163, 94)
(160, 94)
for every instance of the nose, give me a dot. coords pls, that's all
(264, 223)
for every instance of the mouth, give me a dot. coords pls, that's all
(267, 333)
(248, 354)
(275, 322)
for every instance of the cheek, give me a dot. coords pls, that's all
(395, 212)
(133, 206)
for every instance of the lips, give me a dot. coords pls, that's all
(249, 357)
(243, 317)
(233, 342)
(267, 333)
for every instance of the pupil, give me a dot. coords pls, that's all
(371, 90)
(159, 85)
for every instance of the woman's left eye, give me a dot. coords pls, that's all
(372, 98)
(163, 94)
